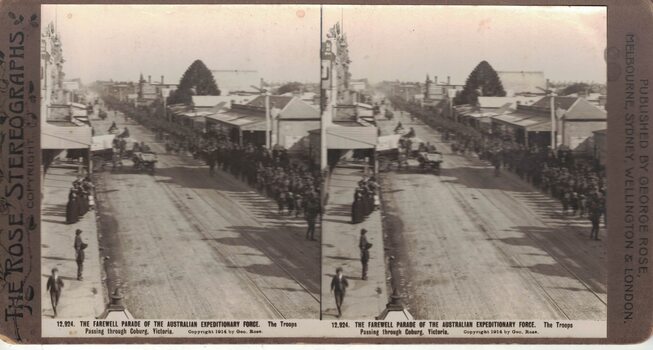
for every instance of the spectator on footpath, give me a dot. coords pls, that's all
(364, 247)
(54, 286)
(72, 213)
(339, 286)
(79, 254)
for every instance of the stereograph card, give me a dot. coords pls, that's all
(432, 172)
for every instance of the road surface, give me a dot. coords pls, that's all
(181, 244)
(474, 246)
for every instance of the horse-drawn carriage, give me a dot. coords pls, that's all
(406, 152)
(430, 161)
(110, 149)
(144, 161)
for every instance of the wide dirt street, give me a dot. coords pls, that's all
(471, 245)
(183, 245)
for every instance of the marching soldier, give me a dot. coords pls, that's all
(311, 211)
(595, 212)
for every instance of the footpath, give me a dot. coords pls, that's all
(365, 299)
(79, 299)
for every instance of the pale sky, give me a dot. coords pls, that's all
(282, 41)
(121, 41)
(407, 42)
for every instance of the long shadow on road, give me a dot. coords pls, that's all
(304, 254)
(468, 177)
(572, 250)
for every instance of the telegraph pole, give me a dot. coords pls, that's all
(268, 122)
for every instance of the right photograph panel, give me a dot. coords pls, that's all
(464, 149)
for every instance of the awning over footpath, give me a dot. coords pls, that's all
(65, 137)
(351, 137)
(525, 121)
(243, 121)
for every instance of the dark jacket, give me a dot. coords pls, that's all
(364, 246)
(54, 286)
(79, 248)
(339, 284)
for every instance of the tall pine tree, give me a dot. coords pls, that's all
(197, 80)
(483, 81)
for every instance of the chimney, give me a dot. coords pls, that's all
(448, 80)
(435, 79)
(162, 80)
(149, 79)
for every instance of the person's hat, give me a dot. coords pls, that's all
(338, 269)
(54, 269)
(78, 231)
(363, 231)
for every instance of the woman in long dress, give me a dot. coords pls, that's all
(357, 207)
(71, 208)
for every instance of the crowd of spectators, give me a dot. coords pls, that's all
(365, 199)
(80, 199)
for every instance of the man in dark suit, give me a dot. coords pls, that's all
(364, 246)
(339, 286)
(54, 286)
(79, 253)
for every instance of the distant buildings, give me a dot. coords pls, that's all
(148, 92)
(574, 122)
(290, 121)
(143, 93)
(358, 85)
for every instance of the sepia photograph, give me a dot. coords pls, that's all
(325, 173)
(465, 162)
(177, 173)
(324, 162)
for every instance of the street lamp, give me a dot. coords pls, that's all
(115, 309)
(394, 310)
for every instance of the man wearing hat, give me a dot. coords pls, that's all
(54, 286)
(79, 253)
(364, 246)
(339, 286)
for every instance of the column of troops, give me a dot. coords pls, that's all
(579, 184)
(293, 186)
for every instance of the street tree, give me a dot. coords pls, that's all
(576, 88)
(482, 81)
(197, 80)
(290, 87)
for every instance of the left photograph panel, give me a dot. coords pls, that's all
(179, 174)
